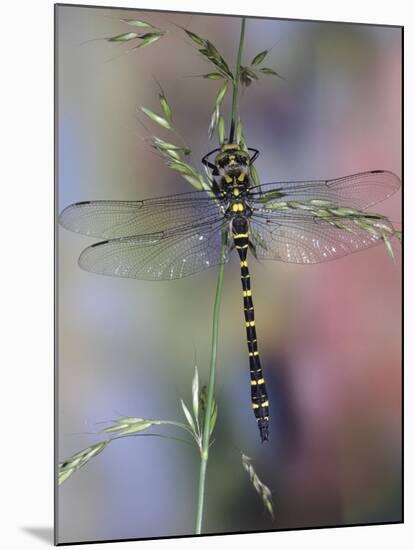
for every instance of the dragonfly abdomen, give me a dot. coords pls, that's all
(260, 401)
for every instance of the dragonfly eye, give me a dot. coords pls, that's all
(243, 159)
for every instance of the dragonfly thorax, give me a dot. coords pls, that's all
(232, 163)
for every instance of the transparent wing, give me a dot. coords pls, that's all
(300, 238)
(114, 219)
(357, 190)
(159, 256)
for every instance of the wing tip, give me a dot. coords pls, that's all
(64, 216)
(397, 179)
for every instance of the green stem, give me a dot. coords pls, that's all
(216, 317)
(236, 81)
(210, 398)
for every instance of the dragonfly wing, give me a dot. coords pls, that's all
(159, 256)
(299, 238)
(357, 190)
(115, 219)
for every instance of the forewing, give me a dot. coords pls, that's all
(114, 219)
(357, 190)
(159, 256)
(300, 238)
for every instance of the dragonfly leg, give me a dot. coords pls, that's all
(256, 154)
(210, 165)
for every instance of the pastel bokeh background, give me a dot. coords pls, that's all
(329, 334)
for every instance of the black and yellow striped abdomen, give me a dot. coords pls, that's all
(260, 402)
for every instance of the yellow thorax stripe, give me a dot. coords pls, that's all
(237, 207)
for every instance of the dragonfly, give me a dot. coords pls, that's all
(171, 237)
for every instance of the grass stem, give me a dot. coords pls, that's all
(216, 317)
(236, 81)
(210, 399)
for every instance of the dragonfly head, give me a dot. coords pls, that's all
(232, 160)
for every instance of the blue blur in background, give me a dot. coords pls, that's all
(329, 334)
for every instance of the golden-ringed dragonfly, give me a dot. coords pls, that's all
(178, 235)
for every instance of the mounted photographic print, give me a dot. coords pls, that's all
(229, 274)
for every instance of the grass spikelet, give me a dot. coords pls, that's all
(247, 76)
(162, 145)
(261, 489)
(148, 39)
(214, 411)
(255, 175)
(165, 106)
(388, 246)
(214, 414)
(319, 202)
(76, 461)
(195, 394)
(124, 37)
(266, 70)
(213, 76)
(213, 122)
(157, 118)
(259, 58)
(138, 23)
(188, 416)
(221, 130)
(194, 37)
(221, 94)
(129, 427)
(210, 52)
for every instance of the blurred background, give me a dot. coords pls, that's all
(329, 334)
